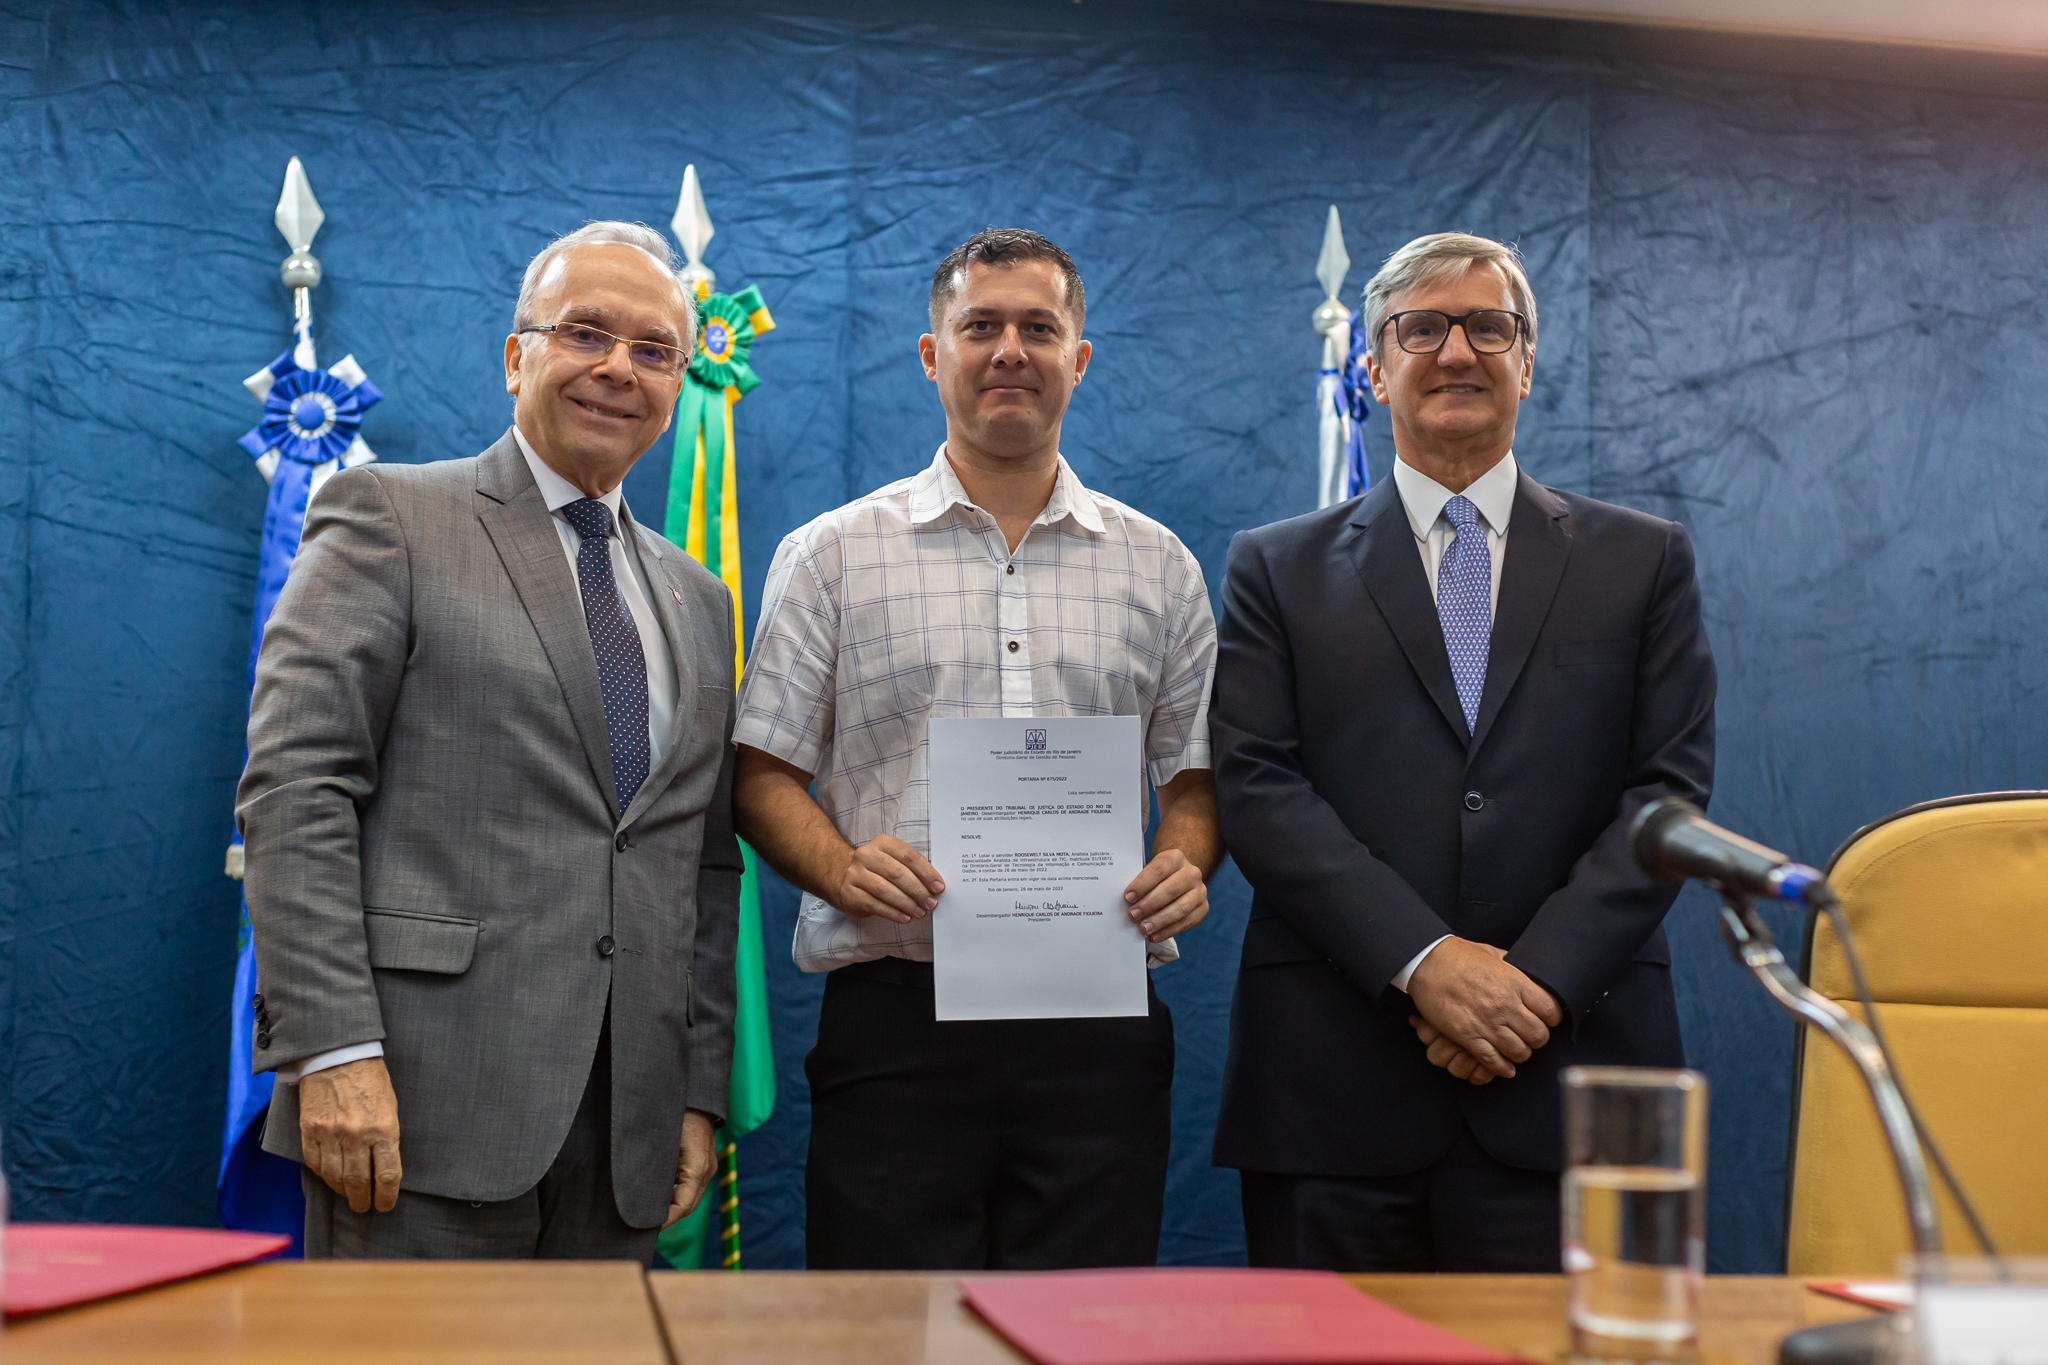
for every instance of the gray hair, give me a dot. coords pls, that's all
(1434, 259)
(598, 234)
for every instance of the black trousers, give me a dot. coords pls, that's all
(1468, 1212)
(572, 1214)
(1008, 1144)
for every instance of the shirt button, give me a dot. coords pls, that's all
(605, 946)
(1012, 568)
(620, 843)
(1473, 801)
(1013, 646)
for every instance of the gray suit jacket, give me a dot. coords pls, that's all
(433, 853)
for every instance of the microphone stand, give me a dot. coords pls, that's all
(1750, 939)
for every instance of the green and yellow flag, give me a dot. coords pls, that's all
(703, 517)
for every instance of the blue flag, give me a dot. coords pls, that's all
(1343, 403)
(1357, 387)
(307, 433)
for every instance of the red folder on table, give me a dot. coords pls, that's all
(1209, 1317)
(54, 1265)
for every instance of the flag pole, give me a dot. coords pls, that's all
(308, 431)
(703, 517)
(1332, 321)
(298, 217)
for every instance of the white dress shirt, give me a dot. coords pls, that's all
(661, 670)
(909, 604)
(1423, 498)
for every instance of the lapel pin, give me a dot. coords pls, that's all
(678, 596)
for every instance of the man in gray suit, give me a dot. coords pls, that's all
(491, 862)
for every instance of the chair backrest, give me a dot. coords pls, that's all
(1949, 905)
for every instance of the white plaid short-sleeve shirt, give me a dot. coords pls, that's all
(908, 604)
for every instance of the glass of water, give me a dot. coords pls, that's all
(1635, 1211)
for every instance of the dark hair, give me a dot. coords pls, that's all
(1006, 246)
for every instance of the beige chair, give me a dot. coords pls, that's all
(1949, 905)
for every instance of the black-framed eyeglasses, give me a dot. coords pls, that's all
(585, 342)
(1422, 331)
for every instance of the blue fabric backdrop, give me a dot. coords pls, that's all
(1800, 313)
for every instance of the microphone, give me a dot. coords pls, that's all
(1673, 841)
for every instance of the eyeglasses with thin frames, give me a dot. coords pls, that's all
(1423, 331)
(587, 343)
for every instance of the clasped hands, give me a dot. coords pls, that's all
(1476, 1014)
(885, 878)
(348, 1130)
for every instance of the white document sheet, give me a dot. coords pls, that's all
(1038, 825)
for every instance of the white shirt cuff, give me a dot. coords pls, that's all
(1401, 977)
(291, 1073)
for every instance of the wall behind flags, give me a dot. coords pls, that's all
(1790, 295)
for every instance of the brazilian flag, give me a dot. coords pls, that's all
(703, 517)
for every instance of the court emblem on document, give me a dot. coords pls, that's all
(1034, 741)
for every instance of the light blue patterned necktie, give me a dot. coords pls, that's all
(1464, 603)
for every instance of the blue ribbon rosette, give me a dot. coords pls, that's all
(309, 416)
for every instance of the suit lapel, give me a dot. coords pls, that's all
(1537, 548)
(1387, 560)
(523, 532)
(665, 596)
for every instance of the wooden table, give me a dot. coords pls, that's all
(351, 1312)
(552, 1313)
(1742, 1317)
(789, 1318)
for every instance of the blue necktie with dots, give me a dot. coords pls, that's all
(621, 666)
(1464, 603)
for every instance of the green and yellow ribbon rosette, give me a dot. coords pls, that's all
(703, 493)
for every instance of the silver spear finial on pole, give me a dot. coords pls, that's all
(299, 219)
(692, 224)
(1331, 267)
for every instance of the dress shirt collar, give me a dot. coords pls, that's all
(939, 488)
(1423, 498)
(559, 492)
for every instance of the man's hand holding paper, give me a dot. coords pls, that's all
(888, 878)
(1171, 895)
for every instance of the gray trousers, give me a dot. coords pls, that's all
(571, 1214)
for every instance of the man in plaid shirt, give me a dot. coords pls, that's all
(991, 584)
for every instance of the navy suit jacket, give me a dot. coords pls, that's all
(1370, 820)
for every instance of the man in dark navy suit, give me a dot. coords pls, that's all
(1437, 708)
